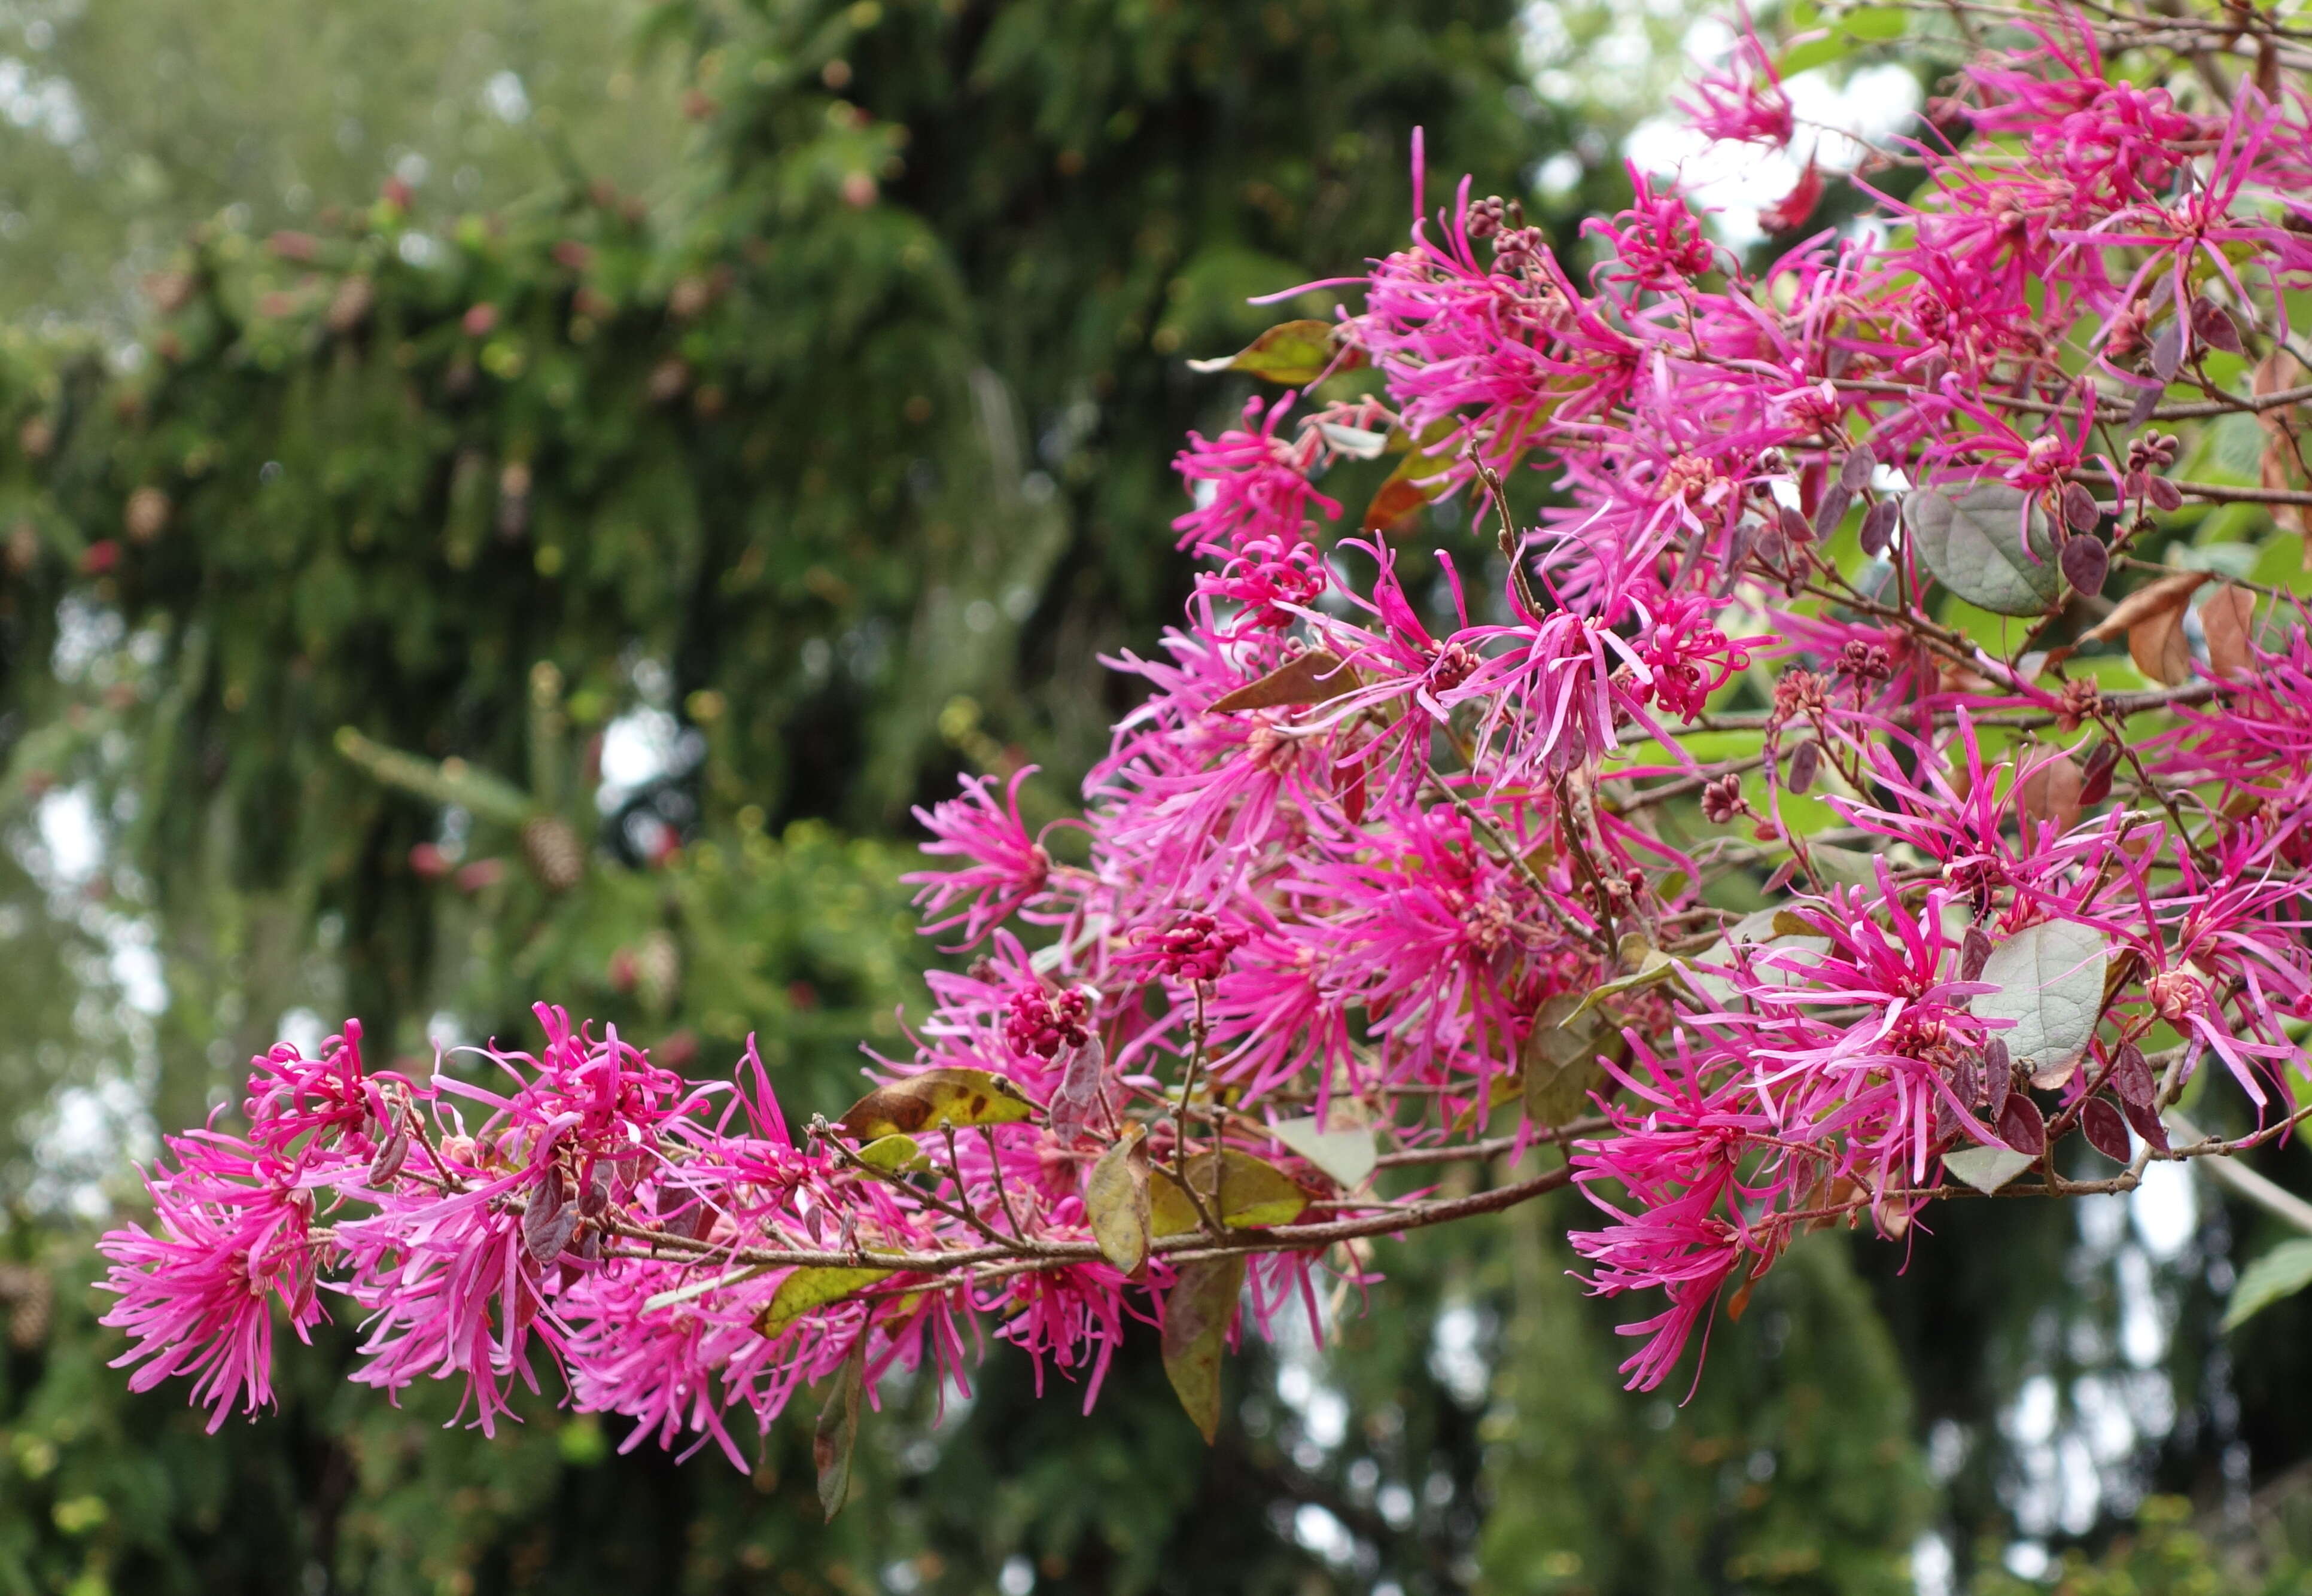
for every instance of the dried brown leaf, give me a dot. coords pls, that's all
(1305, 678)
(2227, 617)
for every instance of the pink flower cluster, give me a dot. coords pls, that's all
(1396, 860)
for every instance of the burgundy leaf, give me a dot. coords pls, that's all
(391, 1153)
(1999, 1075)
(2086, 563)
(2079, 506)
(2148, 1123)
(2131, 1078)
(1974, 952)
(2214, 326)
(1805, 761)
(2167, 350)
(1878, 526)
(1837, 498)
(2105, 1129)
(2095, 778)
(2021, 1126)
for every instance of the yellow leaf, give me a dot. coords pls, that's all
(1116, 1201)
(1239, 1191)
(1294, 353)
(894, 1153)
(948, 1096)
(812, 1286)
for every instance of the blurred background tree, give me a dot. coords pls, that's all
(516, 500)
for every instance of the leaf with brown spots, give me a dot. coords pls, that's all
(951, 1095)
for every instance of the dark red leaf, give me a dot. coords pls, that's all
(1836, 499)
(2086, 563)
(1792, 211)
(2105, 1129)
(2095, 779)
(2079, 506)
(2021, 1126)
(2148, 1124)
(1974, 952)
(2168, 349)
(2130, 1077)
(1805, 761)
(2214, 326)
(1878, 526)
(1998, 1075)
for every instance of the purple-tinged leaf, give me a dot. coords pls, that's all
(2105, 1129)
(1878, 526)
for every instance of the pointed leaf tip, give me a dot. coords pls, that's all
(1197, 1313)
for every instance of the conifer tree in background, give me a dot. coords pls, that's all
(834, 468)
(328, 631)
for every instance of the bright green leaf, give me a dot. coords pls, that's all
(812, 1286)
(2281, 1272)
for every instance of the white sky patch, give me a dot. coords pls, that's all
(2165, 1209)
(638, 747)
(1737, 181)
(1932, 1568)
(304, 1029)
(505, 97)
(69, 835)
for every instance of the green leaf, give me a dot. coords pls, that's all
(894, 1153)
(1875, 24)
(948, 1096)
(1973, 541)
(2050, 982)
(1240, 1191)
(1293, 352)
(1848, 867)
(1987, 1169)
(1653, 970)
(451, 781)
(1116, 1201)
(1559, 1059)
(1813, 53)
(2281, 1272)
(837, 1431)
(1347, 1155)
(1197, 1313)
(812, 1286)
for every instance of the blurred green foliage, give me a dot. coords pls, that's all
(124, 125)
(817, 463)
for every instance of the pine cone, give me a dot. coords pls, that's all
(32, 1299)
(555, 855)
